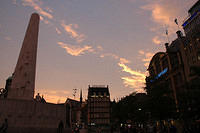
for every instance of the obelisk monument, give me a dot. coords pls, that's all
(23, 80)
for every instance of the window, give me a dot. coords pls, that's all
(174, 60)
(198, 56)
(178, 79)
(165, 63)
(190, 48)
(158, 69)
(193, 59)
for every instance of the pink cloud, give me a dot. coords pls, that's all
(76, 50)
(163, 13)
(58, 31)
(136, 79)
(71, 30)
(146, 56)
(156, 40)
(35, 4)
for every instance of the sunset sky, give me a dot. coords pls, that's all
(89, 42)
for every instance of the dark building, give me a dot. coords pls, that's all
(99, 109)
(191, 24)
(74, 112)
(178, 67)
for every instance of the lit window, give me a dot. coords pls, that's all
(198, 55)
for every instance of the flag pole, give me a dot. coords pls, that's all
(166, 32)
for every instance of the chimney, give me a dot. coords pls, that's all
(166, 45)
(179, 34)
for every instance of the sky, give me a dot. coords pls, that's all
(89, 42)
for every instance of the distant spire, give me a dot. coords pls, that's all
(81, 98)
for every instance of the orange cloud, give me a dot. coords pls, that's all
(109, 55)
(156, 40)
(124, 61)
(163, 13)
(100, 48)
(76, 50)
(146, 64)
(136, 80)
(37, 7)
(53, 96)
(146, 57)
(141, 52)
(70, 29)
(58, 31)
(130, 71)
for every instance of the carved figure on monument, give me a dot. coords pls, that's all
(38, 97)
(2, 92)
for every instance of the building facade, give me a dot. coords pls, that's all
(99, 109)
(74, 113)
(179, 66)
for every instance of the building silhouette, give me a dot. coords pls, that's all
(99, 109)
(179, 66)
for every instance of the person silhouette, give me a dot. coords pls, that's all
(60, 127)
(4, 126)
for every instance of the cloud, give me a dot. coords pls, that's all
(146, 57)
(163, 14)
(141, 52)
(135, 81)
(76, 50)
(130, 71)
(37, 6)
(100, 48)
(58, 31)
(70, 29)
(49, 10)
(124, 61)
(156, 40)
(109, 55)
(53, 96)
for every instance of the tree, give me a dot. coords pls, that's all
(161, 102)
